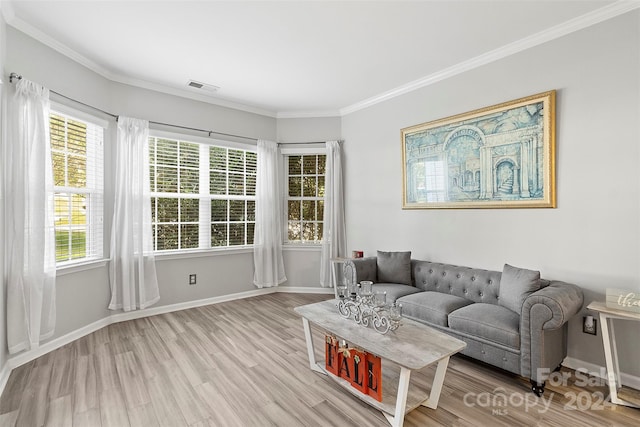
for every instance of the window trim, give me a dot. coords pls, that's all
(88, 262)
(205, 143)
(284, 153)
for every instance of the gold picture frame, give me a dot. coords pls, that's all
(502, 156)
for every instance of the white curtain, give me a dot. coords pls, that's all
(30, 235)
(334, 240)
(132, 273)
(267, 242)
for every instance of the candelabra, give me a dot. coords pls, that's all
(369, 309)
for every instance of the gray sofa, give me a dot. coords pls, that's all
(511, 319)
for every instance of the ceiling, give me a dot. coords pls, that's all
(295, 58)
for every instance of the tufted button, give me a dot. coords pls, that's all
(431, 270)
(458, 275)
(465, 291)
(483, 352)
(444, 273)
(424, 282)
(491, 282)
(504, 359)
(481, 294)
(473, 278)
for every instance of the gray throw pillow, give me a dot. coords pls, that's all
(394, 267)
(516, 284)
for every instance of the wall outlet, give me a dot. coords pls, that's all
(192, 279)
(589, 325)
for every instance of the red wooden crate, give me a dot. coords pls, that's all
(374, 376)
(331, 354)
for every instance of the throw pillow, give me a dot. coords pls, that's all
(516, 285)
(394, 267)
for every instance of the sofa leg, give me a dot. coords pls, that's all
(537, 388)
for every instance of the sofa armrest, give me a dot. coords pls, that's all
(358, 269)
(561, 301)
(543, 330)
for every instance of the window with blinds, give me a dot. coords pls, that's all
(77, 157)
(305, 197)
(202, 196)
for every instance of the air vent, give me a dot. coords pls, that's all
(202, 87)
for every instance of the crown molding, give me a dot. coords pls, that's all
(185, 93)
(607, 12)
(307, 114)
(552, 33)
(23, 26)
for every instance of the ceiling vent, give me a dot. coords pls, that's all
(202, 87)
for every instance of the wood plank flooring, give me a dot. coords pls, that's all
(244, 363)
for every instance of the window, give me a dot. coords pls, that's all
(305, 197)
(77, 156)
(202, 196)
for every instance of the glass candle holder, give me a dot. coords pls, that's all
(341, 290)
(380, 298)
(366, 288)
(395, 312)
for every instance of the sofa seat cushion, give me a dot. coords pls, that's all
(489, 321)
(394, 291)
(431, 307)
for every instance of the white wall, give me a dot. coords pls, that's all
(302, 266)
(591, 239)
(82, 297)
(4, 353)
(316, 129)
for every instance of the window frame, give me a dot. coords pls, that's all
(286, 152)
(204, 196)
(95, 218)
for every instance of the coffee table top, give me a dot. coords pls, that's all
(413, 345)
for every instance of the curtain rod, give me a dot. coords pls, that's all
(17, 76)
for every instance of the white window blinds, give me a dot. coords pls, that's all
(77, 156)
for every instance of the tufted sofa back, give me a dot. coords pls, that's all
(474, 284)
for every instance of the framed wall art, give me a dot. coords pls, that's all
(501, 156)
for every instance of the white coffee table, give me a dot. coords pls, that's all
(412, 346)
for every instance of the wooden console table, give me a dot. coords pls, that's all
(412, 346)
(619, 395)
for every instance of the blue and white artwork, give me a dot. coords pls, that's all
(495, 157)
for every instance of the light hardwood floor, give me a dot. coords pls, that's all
(244, 363)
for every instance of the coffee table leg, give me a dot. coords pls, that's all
(401, 400)
(436, 387)
(310, 351)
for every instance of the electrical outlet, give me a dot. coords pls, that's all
(589, 325)
(192, 279)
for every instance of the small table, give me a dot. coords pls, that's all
(412, 346)
(624, 395)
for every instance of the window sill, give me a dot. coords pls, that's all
(203, 253)
(303, 247)
(74, 268)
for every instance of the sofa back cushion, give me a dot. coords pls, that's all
(394, 267)
(516, 285)
(474, 284)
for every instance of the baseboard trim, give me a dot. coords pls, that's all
(26, 357)
(4, 376)
(56, 343)
(305, 290)
(601, 371)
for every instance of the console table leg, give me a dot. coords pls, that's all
(310, 350)
(436, 387)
